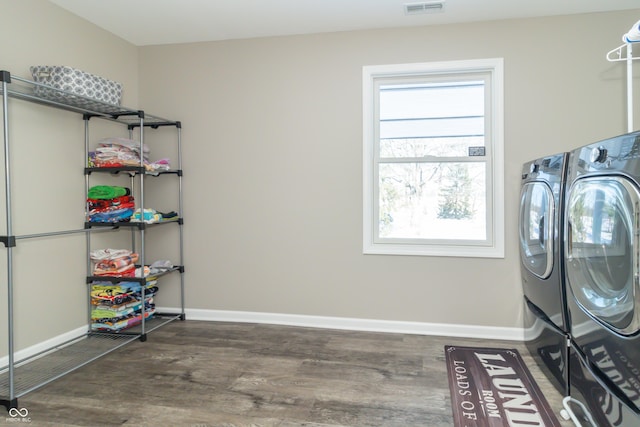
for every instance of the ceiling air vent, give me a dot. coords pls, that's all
(423, 7)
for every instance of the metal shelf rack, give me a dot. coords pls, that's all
(20, 377)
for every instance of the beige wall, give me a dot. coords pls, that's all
(47, 150)
(273, 161)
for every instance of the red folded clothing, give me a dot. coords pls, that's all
(117, 263)
(115, 203)
(126, 271)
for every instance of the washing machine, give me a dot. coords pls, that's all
(540, 224)
(602, 267)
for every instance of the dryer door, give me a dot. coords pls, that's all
(536, 228)
(602, 250)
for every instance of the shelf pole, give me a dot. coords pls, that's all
(87, 238)
(629, 87)
(143, 256)
(181, 213)
(7, 182)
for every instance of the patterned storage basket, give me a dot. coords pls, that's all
(76, 82)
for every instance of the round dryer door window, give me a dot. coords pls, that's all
(536, 228)
(601, 249)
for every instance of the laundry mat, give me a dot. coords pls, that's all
(492, 387)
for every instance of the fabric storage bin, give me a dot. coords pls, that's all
(75, 82)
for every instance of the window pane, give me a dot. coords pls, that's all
(432, 127)
(432, 201)
(420, 147)
(431, 118)
(431, 99)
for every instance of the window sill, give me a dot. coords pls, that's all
(465, 251)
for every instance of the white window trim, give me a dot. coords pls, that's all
(495, 66)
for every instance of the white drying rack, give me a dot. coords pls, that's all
(616, 55)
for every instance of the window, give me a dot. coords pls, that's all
(433, 159)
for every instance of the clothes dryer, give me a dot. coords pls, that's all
(540, 224)
(602, 256)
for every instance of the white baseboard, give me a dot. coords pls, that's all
(346, 323)
(44, 345)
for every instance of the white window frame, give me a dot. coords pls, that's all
(493, 247)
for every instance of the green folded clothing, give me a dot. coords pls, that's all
(107, 192)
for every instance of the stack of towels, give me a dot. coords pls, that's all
(114, 262)
(109, 203)
(118, 152)
(121, 152)
(116, 307)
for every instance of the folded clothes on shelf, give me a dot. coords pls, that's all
(108, 203)
(114, 262)
(158, 165)
(101, 312)
(152, 216)
(122, 152)
(120, 324)
(118, 306)
(160, 266)
(118, 152)
(112, 216)
(106, 292)
(108, 254)
(107, 192)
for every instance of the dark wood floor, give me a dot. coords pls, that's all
(233, 374)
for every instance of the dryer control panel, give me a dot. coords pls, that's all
(611, 154)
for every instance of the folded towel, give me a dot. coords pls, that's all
(125, 271)
(118, 215)
(122, 142)
(107, 254)
(150, 216)
(107, 192)
(117, 263)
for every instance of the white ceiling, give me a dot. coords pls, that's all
(149, 22)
